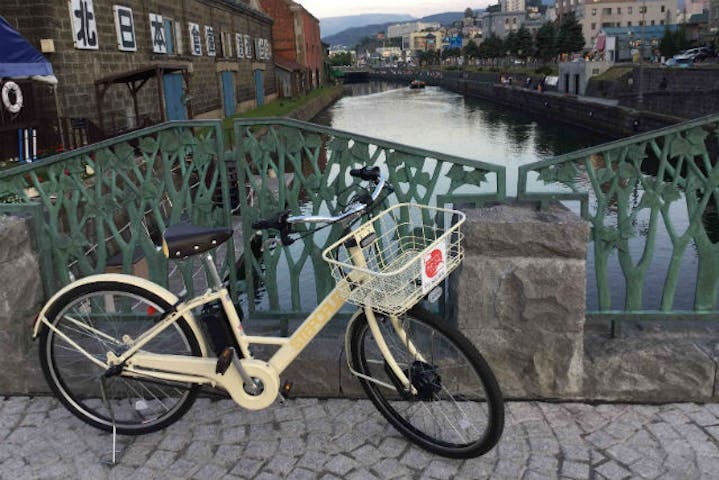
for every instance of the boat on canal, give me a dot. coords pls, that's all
(416, 84)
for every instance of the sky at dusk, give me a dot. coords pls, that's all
(417, 8)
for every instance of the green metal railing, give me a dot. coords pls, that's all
(279, 164)
(111, 201)
(628, 190)
(108, 203)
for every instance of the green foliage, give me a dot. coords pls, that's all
(471, 50)
(468, 13)
(546, 42)
(451, 53)
(511, 43)
(525, 43)
(341, 59)
(493, 47)
(570, 38)
(674, 42)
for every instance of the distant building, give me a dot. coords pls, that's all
(619, 42)
(713, 17)
(512, 5)
(596, 15)
(404, 30)
(296, 34)
(501, 23)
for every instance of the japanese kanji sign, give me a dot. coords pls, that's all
(195, 39)
(84, 24)
(125, 27)
(157, 34)
(210, 39)
(240, 45)
(248, 47)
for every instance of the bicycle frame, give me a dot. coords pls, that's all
(201, 370)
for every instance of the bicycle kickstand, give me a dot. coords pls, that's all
(112, 460)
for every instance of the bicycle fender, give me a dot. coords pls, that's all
(152, 287)
(348, 355)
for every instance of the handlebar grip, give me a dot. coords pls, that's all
(366, 173)
(278, 221)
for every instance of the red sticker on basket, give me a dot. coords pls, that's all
(434, 267)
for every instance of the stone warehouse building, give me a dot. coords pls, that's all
(148, 60)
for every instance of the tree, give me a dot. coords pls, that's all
(471, 50)
(546, 42)
(493, 47)
(341, 59)
(525, 43)
(468, 13)
(667, 46)
(511, 43)
(570, 38)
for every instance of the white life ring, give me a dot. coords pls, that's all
(15, 88)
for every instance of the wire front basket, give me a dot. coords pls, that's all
(406, 251)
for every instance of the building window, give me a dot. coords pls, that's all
(606, 11)
(663, 8)
(594, 26)
(594, 11)
(630, 10)
(514, 20)
(226, 44)
(641, 23)
(652, 22)
(619, 10)
(506, 21)
(629, 24)
(661, 22)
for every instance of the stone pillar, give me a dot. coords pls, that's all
(521, 296)
(21, 296)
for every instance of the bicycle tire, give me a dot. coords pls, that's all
(430, 334)
(74, 379)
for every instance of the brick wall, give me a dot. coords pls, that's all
(283, 30)
(77, 70)
(313, 46)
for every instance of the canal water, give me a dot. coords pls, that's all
(444, 121)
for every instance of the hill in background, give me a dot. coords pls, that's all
(332, 25)
(352, 36)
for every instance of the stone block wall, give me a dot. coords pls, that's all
(21, 296)
(521, 297)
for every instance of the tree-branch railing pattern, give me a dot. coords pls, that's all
(286, 164)
(644, 177)
(107, 204)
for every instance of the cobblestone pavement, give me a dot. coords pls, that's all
(346, 439)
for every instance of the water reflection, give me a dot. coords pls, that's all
(437, 119)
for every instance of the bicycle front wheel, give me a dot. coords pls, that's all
(455, 408)
(100, 318)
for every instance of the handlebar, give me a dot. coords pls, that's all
(282, 221)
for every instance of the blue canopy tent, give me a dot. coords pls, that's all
(19, 60)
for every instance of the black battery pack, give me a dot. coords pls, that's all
(217, 328)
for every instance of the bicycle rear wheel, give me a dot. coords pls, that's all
(457, 410)
(99, 317)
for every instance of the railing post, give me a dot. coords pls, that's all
(521, 296)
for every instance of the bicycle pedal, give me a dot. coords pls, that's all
(224, 360)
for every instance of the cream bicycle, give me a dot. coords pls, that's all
(125, 354)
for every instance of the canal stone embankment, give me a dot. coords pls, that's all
(602, 116)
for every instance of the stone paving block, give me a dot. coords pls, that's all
(613, 471)
(281, 464)
(210, 471)
(647, 468)
(301, 474)
(575, 470)
(341, 464)
(390, 468)
(247, 467)
(441, 469)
